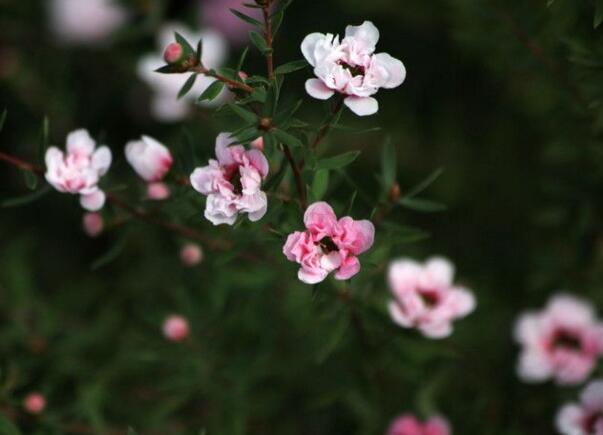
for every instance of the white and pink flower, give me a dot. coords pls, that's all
(328, 245)
(408, 424)
(562, 342)
(80, 169)
(149, 158)
(425, 296)
(351, 67)
(232, 183)
(586, 417)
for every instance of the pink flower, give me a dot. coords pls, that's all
(408, 424)
(586, 417)
(351, 67)
(176, 328)
(93, 224)
(149, 158)
(158, 191)
(425, 297)
(34, 403)
(88, 22)
(328, 245)
(258, 144)
(232, 183)
(216, 14)
(561, 342)
(79, 171)
(191, 254)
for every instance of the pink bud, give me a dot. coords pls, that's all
(34, 403)
(191, 254)
(158, 191)
(173, 52)
(93, 224)
(243, 75)
(258, 144)
(175, 328)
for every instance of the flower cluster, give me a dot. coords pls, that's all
(425, 297)
(232, 183)
(351, 67)
(586, 417)
(562, 342)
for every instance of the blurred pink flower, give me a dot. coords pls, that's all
(34, 403)
(425, 296)
(328, 245)
(173, 52)
(165, 106)
(158, 191)
(176, 328)
(216, 14)
(93, 224)
(191, 254)
(351, 67)
(79, 171)
(586, 417)
(408, 424)
(149, 158)
(86, 22)
(232, 183)
(562, 342)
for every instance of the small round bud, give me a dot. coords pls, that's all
(158, 191)
(191, 254)
(34, 403)
(258, 144)
(265, 124)
(243, 75)
(394, 192)
(176, 328)
(173, 53)
(93, 224)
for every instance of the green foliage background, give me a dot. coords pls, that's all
(505, 95)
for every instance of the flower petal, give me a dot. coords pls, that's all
(362, 106)
(309, 44)
(79, 142)
(317, 89)
(366, 33)
(93, 201)
(101, 160)
(396, 72)
(320, 217)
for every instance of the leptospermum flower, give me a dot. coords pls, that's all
(328, 245)
(561, 342)
(151, 160)
(408, 424)
(85, 22)
(425, 296)
(351, 67)
(79, 171)
(34, 403)
(164, 104)
(232, 183)
(586, 417)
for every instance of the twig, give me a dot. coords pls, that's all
(199, 69)
(297, 175)
(269, 39)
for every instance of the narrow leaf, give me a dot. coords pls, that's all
(288, 138)
(423, 205)
(188, 48)
(109, 256)
(290, 67)
(338, 161)
(598, 13)
(187, 85)
(320, 184)
(425, 183)
(25, 199)
(388, 164)
(211, 92)
(259, 41)
(242, 59)
(243, 113)
(246, 18)
(30, 179)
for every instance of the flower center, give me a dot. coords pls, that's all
(235, 180)
(590, 422)
(327, 245)
(429, 297)
(564, 339)
(357, 70)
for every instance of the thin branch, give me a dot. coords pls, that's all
(199, 69)
(327, 127)
(269, 39)
(297, 175)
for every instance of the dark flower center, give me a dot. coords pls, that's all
(566, 340)
(235, 180)
(590, 421)
(357, 70)
(429, 297)
(327, 245)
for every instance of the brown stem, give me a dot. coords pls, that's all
(21, 164)
(297, 175)
(230, 82)
(269, 39)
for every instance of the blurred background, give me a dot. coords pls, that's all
(504, 95)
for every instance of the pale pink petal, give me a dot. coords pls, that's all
(254, 205)
(527, 328)
(308, 46)
(403, 274)
(158, 191)
(349, 267)
(440, 271)
(320, 217)
(259, 161)
(331, 261)
(592, 396)
(223, 153)
(462, 301)
(441, 329)
(293, 241)
(317, 89)
(101, 160)
(396, 72)
(205, 179)
(80, 142)
(405, 425)
(362, 106)
(399, 316)
(533, 367)
(569, 420)
(366, 33)
(313, 276)
(219, 210)
(570, 309)
(93, 201)
(358, 236)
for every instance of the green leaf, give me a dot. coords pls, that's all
(246, 18)
(259, 41)
(338, 161)
(211, 92)
(351, 203)
(598, 13)
(199, 52)
(109, 256)
(171, 69)
(423, 205)
(243, 113)
(242, 58)
(425, 183)
(388, 164)
(269, 143)
(3, 118)
(187, 85)
(277, 20)
(247, 135)
(320, 184)
(7, 427)
(287, 138)
(30, 179)
(25, 199)
(188, 48)
(290, 67)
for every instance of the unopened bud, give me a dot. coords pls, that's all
(394, 192)
(34, 403)
(265, 124)
(191, 254)
(176, 328)
(173, 53)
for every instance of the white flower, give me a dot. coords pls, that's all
(164, 105)
(351, 67)
(149, 158)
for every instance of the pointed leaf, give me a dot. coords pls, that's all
(290, 67)
(259, 41)
(187, 85)
(243, 113)
(211, 92)
(246, 18)
(338, 161)
(423, 205)
(287, 138)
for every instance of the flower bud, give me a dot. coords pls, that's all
(176, 328)
(173, 53)
(191, 254)
(93, 224)
(34, 403)
(158, 191)
(258, 144)
(394, 192)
